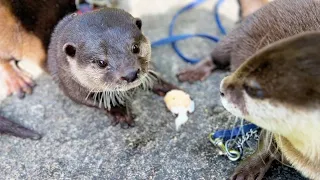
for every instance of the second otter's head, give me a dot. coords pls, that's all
(106, 50)
(278, 88)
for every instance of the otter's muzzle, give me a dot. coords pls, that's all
(131, 76)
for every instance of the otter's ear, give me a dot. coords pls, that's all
(138, 22)
(70, 49)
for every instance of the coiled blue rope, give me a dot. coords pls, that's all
(174, 38)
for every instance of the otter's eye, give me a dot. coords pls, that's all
(254, 92)
(102, 64)
(135, 48)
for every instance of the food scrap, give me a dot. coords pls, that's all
(180, 103)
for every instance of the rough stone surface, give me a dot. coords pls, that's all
(79, 142)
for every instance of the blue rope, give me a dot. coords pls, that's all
(217, 17)
(172, 39)
(235, 132)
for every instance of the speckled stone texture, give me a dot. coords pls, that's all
(79, 142)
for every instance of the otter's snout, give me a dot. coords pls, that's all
(131, 75)
(222, 87)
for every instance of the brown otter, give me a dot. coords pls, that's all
(101, 59)
(278, 88)
(26, 27)
(273, 21)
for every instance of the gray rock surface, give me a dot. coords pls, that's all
(79, 142)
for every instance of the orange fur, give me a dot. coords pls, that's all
(250, 6)
(16, 42)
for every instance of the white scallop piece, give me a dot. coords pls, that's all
(180, 103)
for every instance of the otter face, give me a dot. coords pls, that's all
(107, 51)
(279, 87)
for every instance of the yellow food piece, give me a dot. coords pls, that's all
(177, 98)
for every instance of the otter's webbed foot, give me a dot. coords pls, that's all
(15, 80)
(162, 87)
(122, 116)
(199, 72)
(9, 127)
(255, 166)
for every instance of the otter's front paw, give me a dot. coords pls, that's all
(121, 116)
(162, 87)
(15, 80)
(253, 168)
(199, 72)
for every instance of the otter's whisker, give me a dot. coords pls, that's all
(89, 93)
(105, 99)
(234, 125)
(95, 97)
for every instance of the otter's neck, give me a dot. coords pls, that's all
(307, 166)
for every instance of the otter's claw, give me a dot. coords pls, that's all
(120, 116)
(125, 121)
(253, 168)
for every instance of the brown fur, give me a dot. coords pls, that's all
(108, 35)
(284, 75)
(26, 26)
(277, 20)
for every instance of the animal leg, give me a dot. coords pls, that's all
(9, 127)
(255, 166)
(15, 80)
(199, 72)
(121, 115)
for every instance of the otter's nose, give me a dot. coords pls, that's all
(131, 76)
(222, 89)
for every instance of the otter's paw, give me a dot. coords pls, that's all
(125, 121)
(163, 87)
(253, 168)
(9, 127)
(199, 72)
(122, 117)
(15, 80)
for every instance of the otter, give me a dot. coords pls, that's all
(26, 27)
(278, 88)
(100, 59)
(273, 21)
